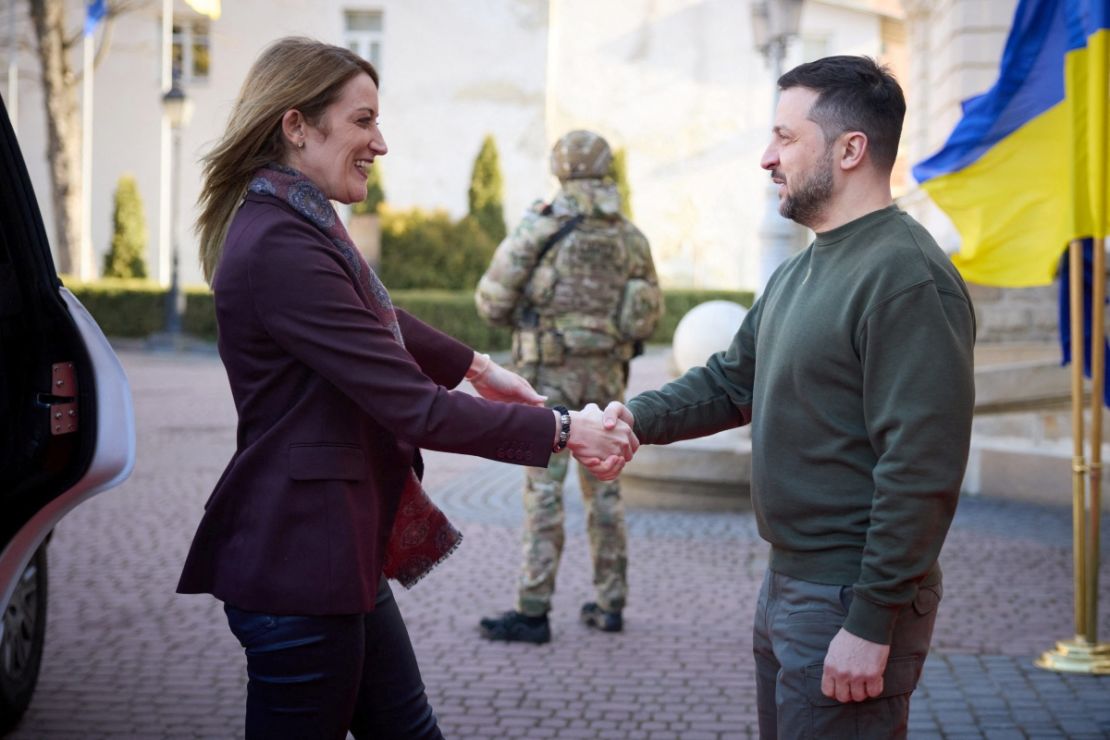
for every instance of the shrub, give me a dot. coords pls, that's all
(422, 250)
(486, 193)
(618, 173)
(453, 312)
(123, 307)
(136, 308)
(679, 302)
(199, 319)
(126, 255)
(375, 193)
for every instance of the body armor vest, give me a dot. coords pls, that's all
(574, 295)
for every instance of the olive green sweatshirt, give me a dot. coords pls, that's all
(854, 369)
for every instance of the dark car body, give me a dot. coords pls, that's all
(67, 427)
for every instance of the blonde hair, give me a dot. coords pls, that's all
(293, 73)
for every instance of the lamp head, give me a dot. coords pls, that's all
(177, 106)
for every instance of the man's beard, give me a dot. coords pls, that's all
(808, 198)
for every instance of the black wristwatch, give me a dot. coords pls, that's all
(564, 429)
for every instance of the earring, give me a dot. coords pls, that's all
(300, 144)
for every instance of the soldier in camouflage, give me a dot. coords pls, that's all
(576, 282)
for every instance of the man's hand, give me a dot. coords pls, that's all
(601, 447)
(617, 411)
(495, 383)
(608, 469)
(853, 668)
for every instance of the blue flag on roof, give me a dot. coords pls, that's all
(95, 10)
(1025, 170)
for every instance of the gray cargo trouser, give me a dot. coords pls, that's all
(794, 623)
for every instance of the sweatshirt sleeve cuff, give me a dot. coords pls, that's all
(871, 621)
(639, 416)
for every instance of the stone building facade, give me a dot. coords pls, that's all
(677, 83)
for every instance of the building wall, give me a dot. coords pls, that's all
(444, 86)
(453, 72)
(955, 47)
(679, 84)
(676, 82)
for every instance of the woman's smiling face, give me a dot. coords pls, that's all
(339, 150)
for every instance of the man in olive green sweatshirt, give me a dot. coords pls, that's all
(854, 369)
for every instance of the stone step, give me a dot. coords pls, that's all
(708, 474)
(1016, 470)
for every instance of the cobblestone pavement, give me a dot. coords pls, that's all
(128, 658)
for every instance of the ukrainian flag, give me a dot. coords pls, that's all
(1025, 170)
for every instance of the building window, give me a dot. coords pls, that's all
(363, 34)
(191, 50)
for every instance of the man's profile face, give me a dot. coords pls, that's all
(798, 158)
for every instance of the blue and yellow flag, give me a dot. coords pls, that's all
(95, 10)
(1025, 170)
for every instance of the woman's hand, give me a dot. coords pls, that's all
(495, 383)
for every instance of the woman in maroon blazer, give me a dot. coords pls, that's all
(336, 390)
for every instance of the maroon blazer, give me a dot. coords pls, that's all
(332, 411)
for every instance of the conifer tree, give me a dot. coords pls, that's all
(126, 256)
(486, 193)
(375, 192)
(618, 173)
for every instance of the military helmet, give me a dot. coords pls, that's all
(580, 155)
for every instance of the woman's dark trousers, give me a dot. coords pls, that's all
(320, 676)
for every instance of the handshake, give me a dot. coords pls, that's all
(602, 441)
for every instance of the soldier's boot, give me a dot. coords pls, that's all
(599, 619)
(512, 626)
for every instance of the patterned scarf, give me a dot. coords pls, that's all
(421, 536)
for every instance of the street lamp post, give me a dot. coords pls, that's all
(178, 109)
(773, 23)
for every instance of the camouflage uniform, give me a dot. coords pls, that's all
(576, 315)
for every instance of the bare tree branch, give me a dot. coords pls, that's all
(105, 41)
(63, 119)
(115, 8)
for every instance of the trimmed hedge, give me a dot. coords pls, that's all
(124, 307)
(136, 308)
(424, 250)
(453, 312)
(200, 313)
(679, 302)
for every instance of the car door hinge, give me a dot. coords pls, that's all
(63, 398)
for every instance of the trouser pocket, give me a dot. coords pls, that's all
(248, 626)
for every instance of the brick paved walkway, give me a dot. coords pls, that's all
(127, 658)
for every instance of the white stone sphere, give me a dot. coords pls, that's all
(706, 328)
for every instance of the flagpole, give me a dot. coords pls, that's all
(1083, 654)
(1098, 381)
(1079, 463)
(84, 263)
(165, 149)
(13, 73)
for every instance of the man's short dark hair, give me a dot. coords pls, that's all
(854, 93)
